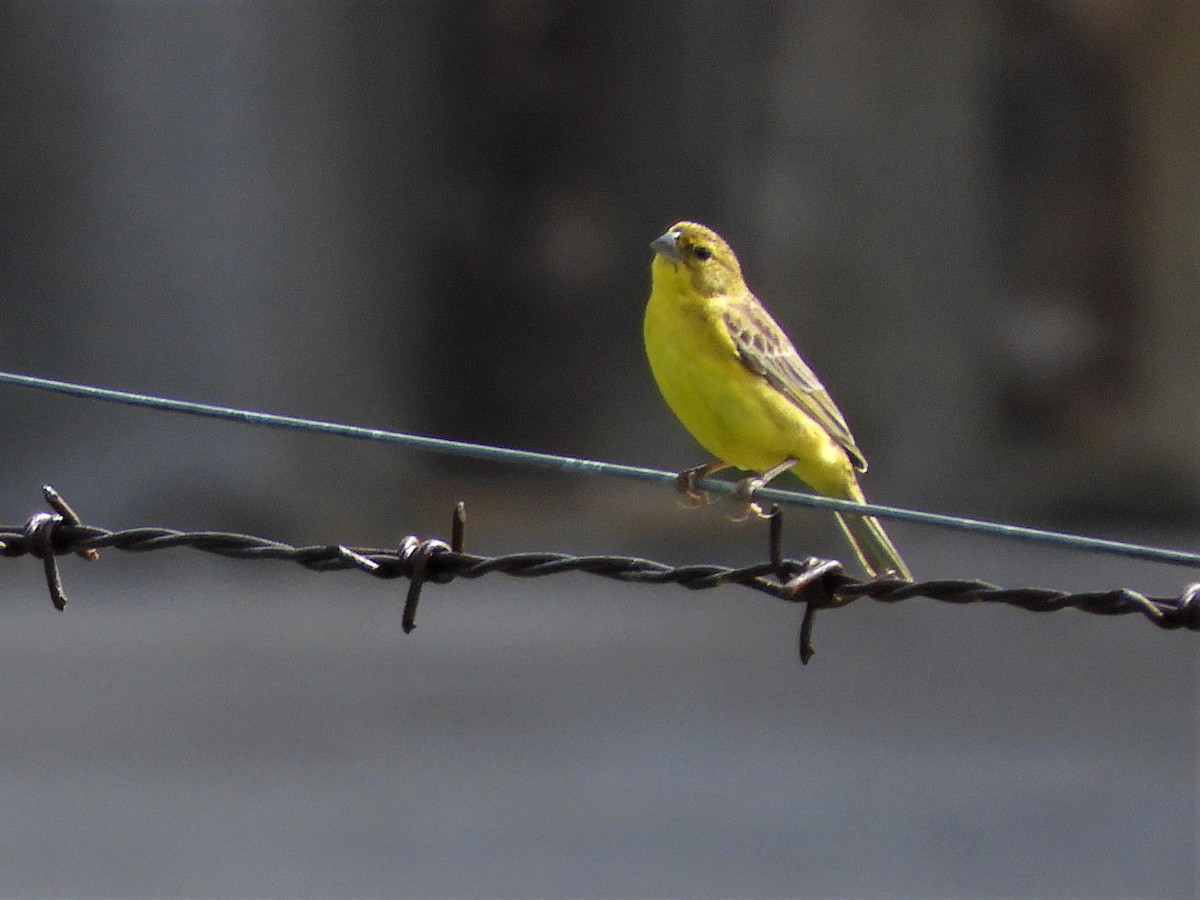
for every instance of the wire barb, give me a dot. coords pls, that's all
(367, 565)
(458, 528)
(418, 553)
(41, 533)
(812, 582)
(68, 516)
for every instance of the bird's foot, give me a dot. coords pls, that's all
(743, 494)
(685, 483)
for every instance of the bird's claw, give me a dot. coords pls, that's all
(744, 492)
(692, 496)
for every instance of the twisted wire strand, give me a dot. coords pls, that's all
(44, 535)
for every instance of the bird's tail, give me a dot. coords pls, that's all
(875, 550)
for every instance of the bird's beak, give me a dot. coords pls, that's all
(667, 246)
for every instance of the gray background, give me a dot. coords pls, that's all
(978, 221)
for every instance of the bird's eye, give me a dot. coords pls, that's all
(702, 253)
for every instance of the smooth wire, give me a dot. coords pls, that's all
(595, 467)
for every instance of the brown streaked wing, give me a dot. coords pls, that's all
(765, 350)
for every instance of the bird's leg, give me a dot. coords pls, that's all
(749, 486)
(685, 483)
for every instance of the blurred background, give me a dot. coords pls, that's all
(978, 221)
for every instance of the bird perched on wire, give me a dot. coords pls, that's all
(736, 382)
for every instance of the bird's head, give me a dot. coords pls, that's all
(692, 257)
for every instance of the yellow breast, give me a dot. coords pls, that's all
(736, 415)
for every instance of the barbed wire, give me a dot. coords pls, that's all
(596, 467)
(816, 583)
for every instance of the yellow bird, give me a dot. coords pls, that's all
(732, 377)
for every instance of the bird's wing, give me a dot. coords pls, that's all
(765, 350)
